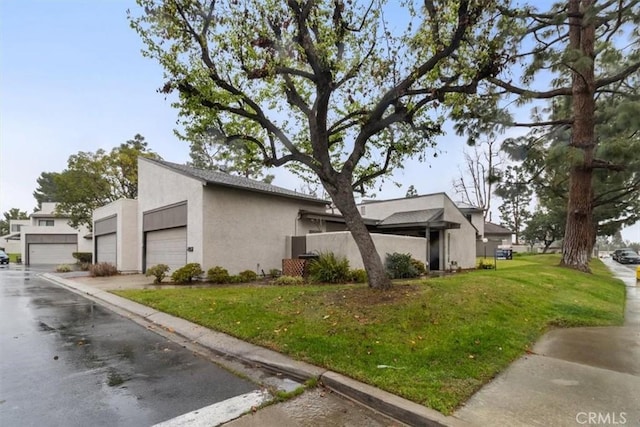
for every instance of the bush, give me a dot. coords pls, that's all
(235, 279)
(103, 269)
(85, 266)
(158, 271)
(399, 266)
(63, 268)
(485, 264)
(83, 257)
(218, 275)
(288, 281)
(358, 275)
(328, 268)
(187, 273)
(420, 267)
(274, 272)
(248, 276)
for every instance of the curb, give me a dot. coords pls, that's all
(224, 345)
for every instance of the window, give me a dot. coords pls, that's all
(45, 223)
(15, 228)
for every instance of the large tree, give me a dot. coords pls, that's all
(329, 88)
(92, 180)
(573, 52)
(480, 173)
(516, 192)
(47, 189)
(13, 213)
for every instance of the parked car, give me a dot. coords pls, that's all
(628, 257)
(619, 251)
(4, 258)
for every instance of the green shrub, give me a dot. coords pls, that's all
(486, 264)
(274, 272)
(235, 279)
(399, 266)
(358, 275)
(102, 269)
(218, 275)
(159, 272)
(288, 281)
(63, 268)
(248, 276)
(83, 257)
(420, 267)
(85, 266)
(329, 268)
(187, 273)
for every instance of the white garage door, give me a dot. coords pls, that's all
(167, 247)
(52, 253)
(106, 248)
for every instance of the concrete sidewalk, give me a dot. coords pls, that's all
(574, 377)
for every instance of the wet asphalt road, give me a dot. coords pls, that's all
(65, 361)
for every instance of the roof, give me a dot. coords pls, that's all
(412, 217)
(466, 207)
(226, 180)
(433, 218)
(331, 217)
(491, 228)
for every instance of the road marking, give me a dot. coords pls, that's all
(219, 413)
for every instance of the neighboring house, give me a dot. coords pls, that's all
(49, 239)
(187, 215)
(11, 241)
(115, 235)
(496, 236)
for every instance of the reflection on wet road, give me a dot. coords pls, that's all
(66, 361)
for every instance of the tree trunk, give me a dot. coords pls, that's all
(342, 196)
(579, 227)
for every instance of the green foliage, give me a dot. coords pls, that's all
(187, 273)
(329, 268)
(159, 272)
(544, 227)
(420, 267)
(218, 275)
(63, 268)
(102, 269)
(275, 272)
(47, 190)
(515, 191)
(334, 106)
(83, 257)
(401, 266)
(486, 264)
(13, 213)
(429, 329)
(288, 281)
(248, 276)
(358, 275)
(92, 180)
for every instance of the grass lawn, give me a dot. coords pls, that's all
(433, 341)
(14, 257)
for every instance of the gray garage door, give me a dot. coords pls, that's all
(106, 248)
(52, 253)
(167, 247)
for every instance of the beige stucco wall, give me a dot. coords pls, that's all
(128, 239)
(159, 186)
(61, 226)
(341, 243)
(477, 220)
(245, 230)
(384, 208)
(460, 243)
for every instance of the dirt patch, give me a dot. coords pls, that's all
(364, 296)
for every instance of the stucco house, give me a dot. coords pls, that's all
(185, 215)
(495, 236)
(11, 242)
(47, 238)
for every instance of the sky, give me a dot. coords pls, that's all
(72, 78)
